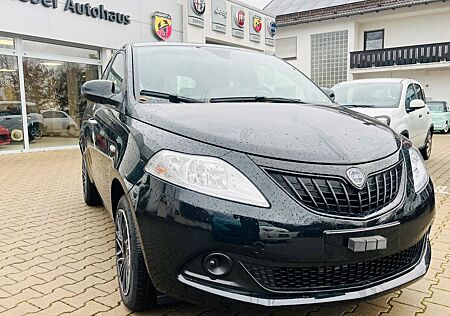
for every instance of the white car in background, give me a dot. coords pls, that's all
(59, 122)
(399, 103)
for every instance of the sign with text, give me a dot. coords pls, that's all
(238, 21)
(271, 31)
(86, 9)
(219, 16)
(256, 27)
(196, 10)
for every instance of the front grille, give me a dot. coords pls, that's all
(333, 277)
(336, 196)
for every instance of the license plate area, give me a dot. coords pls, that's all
(361, 243)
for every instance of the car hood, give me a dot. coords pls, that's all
(295, 132)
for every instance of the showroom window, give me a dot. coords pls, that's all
(51, 77)
(374, 40)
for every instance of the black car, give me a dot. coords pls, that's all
(231, 177)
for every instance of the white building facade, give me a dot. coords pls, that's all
(49, 48)
(370, 39)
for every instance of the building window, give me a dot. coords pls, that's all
(50, 115)
(329, 58)
(374, 40)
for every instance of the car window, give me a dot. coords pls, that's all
(437, 106)
(420, 93)
(206, 73)
(117, 72)
(47, 114)
(410, 95)
(373, 94)
(60, 115)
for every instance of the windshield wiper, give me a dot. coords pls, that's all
(358, 106)
(256, 99)
(173, 98)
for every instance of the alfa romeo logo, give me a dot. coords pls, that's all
(356, 177)
(199, 6)
(240, 18)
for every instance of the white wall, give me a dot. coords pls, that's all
(26, 19)
(405, 30)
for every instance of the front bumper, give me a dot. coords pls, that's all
(178, 228)
(416, 271)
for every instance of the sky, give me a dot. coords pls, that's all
(256, 3)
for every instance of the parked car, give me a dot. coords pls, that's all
(11, 118)
(231, 177)
(58, 122)
(440, 112)
(5, 136)
(399, 103)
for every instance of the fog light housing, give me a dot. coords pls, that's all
(217, 265)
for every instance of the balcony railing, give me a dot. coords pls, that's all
(406, 55)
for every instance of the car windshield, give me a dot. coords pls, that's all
(207, 73)
(436, 106)
(368, 94)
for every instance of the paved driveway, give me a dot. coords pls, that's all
(57, 255)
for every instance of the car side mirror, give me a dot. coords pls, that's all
(416, 104)
(329, 92)
(100, 91)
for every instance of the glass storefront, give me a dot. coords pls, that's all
(11, 135)
(52, 77)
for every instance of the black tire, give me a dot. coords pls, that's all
(90, 193)
(426, 151)
(35, 131)
(446, 128)
(72, 131)
(135, 287)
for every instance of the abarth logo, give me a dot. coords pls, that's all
(356, 177)
(257, 23)
(162, 25)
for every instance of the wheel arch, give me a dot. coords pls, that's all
(117, 192)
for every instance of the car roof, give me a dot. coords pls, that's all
(180, 44)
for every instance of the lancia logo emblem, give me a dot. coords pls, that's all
(199, 6)
(356, 177)
(272, 28)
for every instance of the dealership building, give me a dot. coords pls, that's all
(338, 40)
(49, 48)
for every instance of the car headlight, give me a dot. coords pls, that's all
(419, 170)
(207, 175)
(384, 119)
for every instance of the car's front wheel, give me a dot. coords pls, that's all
(135, 286)
(446, 128)
(426, 151)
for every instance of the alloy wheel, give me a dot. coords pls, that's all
(123, 258)
(446, 129)
(84, 176)
(36, 132)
